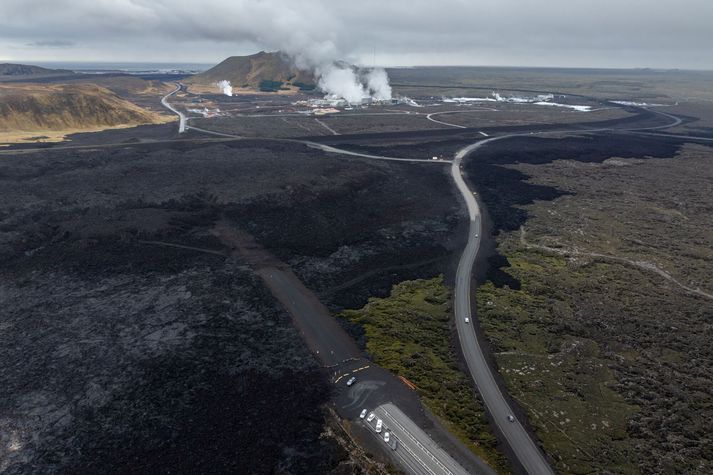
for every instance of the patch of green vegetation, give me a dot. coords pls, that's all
(266, 85)
(409, 334)
(304, 86)
(561, 378)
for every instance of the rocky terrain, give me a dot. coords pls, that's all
(597, 308)
(132, 341)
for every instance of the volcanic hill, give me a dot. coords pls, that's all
(50, 111)
(268, 72)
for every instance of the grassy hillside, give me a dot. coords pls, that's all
(130, 87)
(51, 111)
(266, 71)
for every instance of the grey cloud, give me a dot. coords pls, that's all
(52, 44)
(616, 33)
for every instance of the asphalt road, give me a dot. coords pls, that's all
(469, 111)
(181, 115)
(422, 447)
(316, 325)
(411, 446)
(677, 136)
(330, 149)
(212, 132)
(527, 453)
(676, 121)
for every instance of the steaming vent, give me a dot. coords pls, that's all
(225, 88)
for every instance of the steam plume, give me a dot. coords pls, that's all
(225, 87)
(378, 83)
(311, 39)
(342, 81)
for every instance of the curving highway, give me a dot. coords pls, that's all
(676, 121)
(330, 149)
(524, 448)
(469, 111)
(181, 115)
(430, 117)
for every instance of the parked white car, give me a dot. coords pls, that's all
(387, 437)
(371, 417)
(379, 425)
(363, 414)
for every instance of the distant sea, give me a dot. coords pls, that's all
(128, 68)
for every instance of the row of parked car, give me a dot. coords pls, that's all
(379, 428)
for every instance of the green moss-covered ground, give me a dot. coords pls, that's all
(409, 334)
(558, 376)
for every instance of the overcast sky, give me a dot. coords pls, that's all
(576, 33)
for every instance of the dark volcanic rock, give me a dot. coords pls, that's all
(132, 342)
(162, 370)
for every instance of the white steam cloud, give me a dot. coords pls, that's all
(378, 83)
(313, 39)
(340, 81)
(225, 87)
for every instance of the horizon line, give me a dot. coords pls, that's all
(403, 66)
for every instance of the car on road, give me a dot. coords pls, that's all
(351, 381)
(467, 320)
(387, 437)
(371, 417)
(379, 425)
(476, 234)
(363, 414)
(511, 418)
